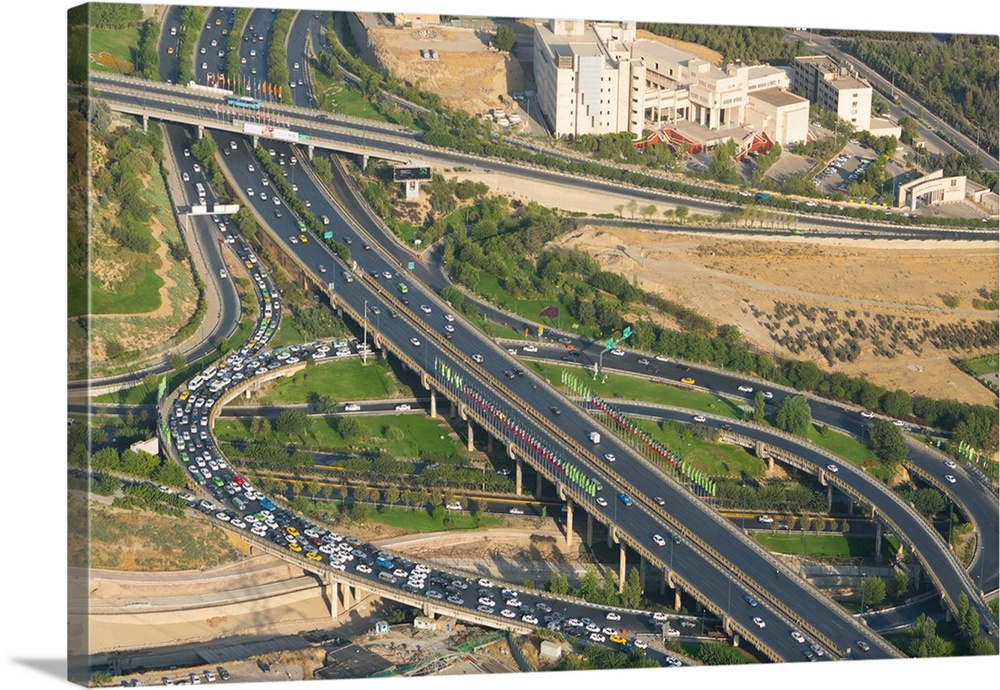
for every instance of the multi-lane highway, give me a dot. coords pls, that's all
(639, 520)
(710, 552)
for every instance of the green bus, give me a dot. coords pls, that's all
(402, 288)
(302, 226)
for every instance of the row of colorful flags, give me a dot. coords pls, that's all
(239, 84)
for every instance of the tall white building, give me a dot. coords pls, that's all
(834, 87)
(597, 77)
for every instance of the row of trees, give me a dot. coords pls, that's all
(192, 17)
(147, 57)
(139, 464)
(277, 52)
(600, 590)
(107, 15)
(233, 66)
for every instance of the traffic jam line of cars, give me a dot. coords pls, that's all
(242, 506)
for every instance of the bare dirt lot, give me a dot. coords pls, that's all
(466, 74)
(877, 308)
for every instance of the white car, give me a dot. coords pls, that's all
(699, 418)
(898, 422)
(659, 616)
(765, 519)
(528, 618)
(672, 632)
(797, 636)
(402, 407)
(352, 407)
(639, 644)
(618, 352)
(950, 463)
(483, 582)
(768, 395)
(222, 273)
(612, 616)
(449, 328)
(833, 468)
(745, 389)
(196, 168)
(414, 342)
(185, 177)
(949, 478)
(867, 415)
(660, 541)
(601, 501)
(610, 457)
(530, 348)
(661, 358)
(477, 358)
(597, 637)
(250, 167)
(425, 309)
(516, 511)
(387, 275)
(759, 622)
(507, 613)
(249, 191)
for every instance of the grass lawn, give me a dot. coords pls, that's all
(342, 380)
(716, 459)
(335, 97)
(422, 521)
(490, 288)
(634, 388)
(289, 333)
(978, 366)
(818, 545)
(119, 43)
(421, 435)
(847, 447)
(139, 297)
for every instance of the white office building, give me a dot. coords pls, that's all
(597, 77)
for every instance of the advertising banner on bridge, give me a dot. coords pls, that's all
(270, 132)
(225, 208)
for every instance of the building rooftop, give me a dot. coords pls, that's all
(778, 97)
(661, 51)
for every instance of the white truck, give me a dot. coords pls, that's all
(595, 437)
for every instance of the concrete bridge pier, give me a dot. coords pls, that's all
(333, 594)
(309, 151)
(364, 161)
(489, 443)
(517, 467)
(677, 598)
(256, 141)
(664, 576)
(145, 123)
(434, 407)
(538, 483)
(569, 522)
(201, 132)
(428, 610)
(642, 572)
(829, 497)
(621, 567)
(470, 447)
(612, 535)
(590, 530)
(878, 540)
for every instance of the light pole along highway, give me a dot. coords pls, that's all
(640, 522)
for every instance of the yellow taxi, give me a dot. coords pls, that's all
(170, 50)
(292, 531)
(295, 547)
(184, 395)
(618, 639)
(218, 22)
(248, 264)
(313, 556)
(688, 380)
(303, 239)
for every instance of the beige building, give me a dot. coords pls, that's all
(835, 87)
(596, 78)
(782, 115)
(933, 188)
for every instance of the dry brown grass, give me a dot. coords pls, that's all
(740, 281)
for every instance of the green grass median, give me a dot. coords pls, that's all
(344, 380)
(825, 546)
(421, 435)
(639, 389)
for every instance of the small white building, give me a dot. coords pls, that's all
(151, 446)
(782, 115)
(550, 649)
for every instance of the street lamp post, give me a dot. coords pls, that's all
(862, 594)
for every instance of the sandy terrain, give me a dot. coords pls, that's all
(743, 282)
(467, 75)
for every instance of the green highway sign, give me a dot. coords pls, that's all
(411, 265)
(627, 332)
(327, 234)
(610, 344)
